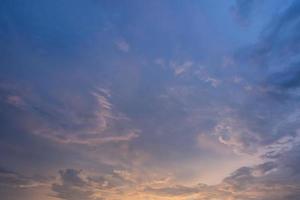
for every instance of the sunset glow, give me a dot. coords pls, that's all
(149, 100)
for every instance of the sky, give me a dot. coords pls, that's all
(149, 100)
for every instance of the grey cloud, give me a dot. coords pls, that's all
(14, 185)
(71, 193)
(276, 179)
(75, 184)
(271, 66)
(288, 79)
(72, 186)
(256, 183)
(71, 177)
(276, 52)
(15, 180)
(258, 125)
(110, 181)
(244, 177)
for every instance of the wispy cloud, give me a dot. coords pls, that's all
(94, 126)
(181, 68)
(123, 45)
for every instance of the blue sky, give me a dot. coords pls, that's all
(175, 100)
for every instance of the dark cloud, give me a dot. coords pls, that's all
(15, 180)
(287, 79)
(14, 185)
(71, 193)
(71, 177)
(255, 183)
(72, 186)
(276, 51)
(271, 67)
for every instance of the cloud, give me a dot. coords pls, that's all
(288, 79)
(281, 146)
(15, 101)
(253, 132)
(214, 82)
(280, 174)
(75, 184)
(123, 45)
(211, 143)
(255, 183)
(72, 186)
(276, 52)
(15, 185)
(204, 76)
(11, 94)
(88, 120)
(234, 133)
(14, 180)
(171, 106)
(271, 110)
(179, 69)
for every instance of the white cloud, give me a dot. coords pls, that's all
(123, 45)
(179, 69)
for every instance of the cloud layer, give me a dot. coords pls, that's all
(160, 100)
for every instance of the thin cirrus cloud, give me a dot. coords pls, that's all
(73, 128)
(123, 45)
